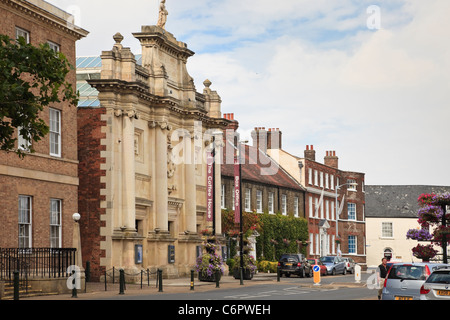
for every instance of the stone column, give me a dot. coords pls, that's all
(128, 172)
(190, 187)
(161, 192)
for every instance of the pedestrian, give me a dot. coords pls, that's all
(382, 274)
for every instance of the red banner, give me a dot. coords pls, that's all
(237, 191)
(209, 187)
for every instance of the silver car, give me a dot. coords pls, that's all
(437, 286)
(349, 264)
(405, 279)
(334, 264)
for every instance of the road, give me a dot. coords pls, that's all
(331, 288)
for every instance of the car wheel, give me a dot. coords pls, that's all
(302, 273)
(333, 272)
(287, 275)
(344, 272)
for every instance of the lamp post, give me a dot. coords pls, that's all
(336, 205)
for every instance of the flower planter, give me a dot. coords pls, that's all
(248, 274)
(206, 278)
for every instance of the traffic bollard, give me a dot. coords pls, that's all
(74, 288)
(16, 285)
(121, 281)
(217, 279)
(192, 280)
(160, 280)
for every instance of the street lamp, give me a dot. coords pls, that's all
(336, 204)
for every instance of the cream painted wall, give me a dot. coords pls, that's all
(400, 246)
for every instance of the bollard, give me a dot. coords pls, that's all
(122, 281)
(16, 285)
(278, 275)
(241, 272)
(74, 288)
(88, 271)
(148, 277)
(192, 280)
(217, 279)
(160, 280)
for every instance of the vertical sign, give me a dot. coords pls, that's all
(237, 191)
(209, 186)
(316, 269)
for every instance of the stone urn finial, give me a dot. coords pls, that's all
(207, 83)
(118, 38)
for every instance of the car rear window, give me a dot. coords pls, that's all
(440, 277)
(289, 258)
(407, 272)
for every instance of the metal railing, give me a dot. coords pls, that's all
(36, 262)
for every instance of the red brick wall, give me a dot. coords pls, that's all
(90, 173)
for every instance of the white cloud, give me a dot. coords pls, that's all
(313, 69)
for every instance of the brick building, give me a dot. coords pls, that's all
(266, 187)
(328, 190)
(39, 194)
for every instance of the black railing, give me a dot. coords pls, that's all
(36, 262)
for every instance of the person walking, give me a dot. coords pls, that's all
(382, 274)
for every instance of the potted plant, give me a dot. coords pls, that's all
(249, 267)
(209, 265)
(424, 252)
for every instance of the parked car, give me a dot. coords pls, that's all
(404, 280)
(334, 264)
(294, 263)
(349, 264)
(437, 286)
(323, 269)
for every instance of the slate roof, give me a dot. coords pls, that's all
(390, 201)
(255, 162)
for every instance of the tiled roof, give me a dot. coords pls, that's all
(256, 164)
(390, 201)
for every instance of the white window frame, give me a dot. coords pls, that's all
(310, 176)
(296, 209)
(284, 205)
(321, 179)
(351, 207)
(352, 243)
(22, 33)
(327, 183)
(55, 223)
(22, 143)
(25, 222)
(327, 210)
(332, 182)
(316, 178)
(271, 203)
(387, 230)
(259, 196)
(54, 46)
(351, 185)
(311, 244)
(55, 132)
(311, 209)
(222, 197)
(248, 200)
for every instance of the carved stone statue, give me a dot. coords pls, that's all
(162, 19)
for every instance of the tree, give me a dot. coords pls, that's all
(432, 214)
(31, 78)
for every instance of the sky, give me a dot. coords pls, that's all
(367, 79)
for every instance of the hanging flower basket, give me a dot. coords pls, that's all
(419, 235)
(434, 199)
(439, 233)
(424, 252)
(430, 214)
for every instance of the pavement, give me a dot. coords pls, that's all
(96, 290)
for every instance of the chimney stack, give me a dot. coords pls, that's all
(310, 153)
(259, 136)
(331, 159)
(231, 130)
(274, 138)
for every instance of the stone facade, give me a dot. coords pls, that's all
(41, 178)
(143, 178)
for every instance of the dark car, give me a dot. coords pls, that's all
(294, 263)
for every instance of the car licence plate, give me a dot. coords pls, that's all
(443, 292)
(288, 264)
(403, 298)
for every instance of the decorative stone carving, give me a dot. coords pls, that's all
(163, 13)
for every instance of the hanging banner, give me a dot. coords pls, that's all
(209, 186)
(237, 192)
